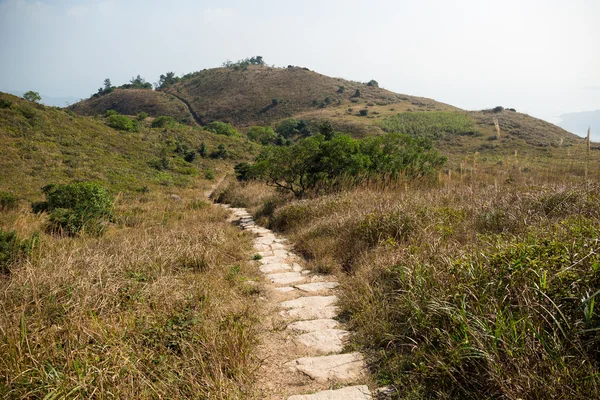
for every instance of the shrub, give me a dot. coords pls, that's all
(13, 249)
(262, 134)
(5, 103)
(221, 128)
(8, 201)
(356, 93)
(163, 122)
(373, 83)
(221, 152)
(142, 116)
(364, 112)
(317, 162)
(121, 122)
(77, 206)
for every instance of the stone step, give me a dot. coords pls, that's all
(317, 286)
(313, 325)
(347, 393)
(338, 368)
(325, 341)
(286, 278)
(311, 307)
(270, 268)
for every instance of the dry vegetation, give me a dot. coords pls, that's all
(480, 286)
(244, 97)
(157, 308)
(133, 102)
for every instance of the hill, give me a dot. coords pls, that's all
(258, 95)
(133, 102)
(248, 95)
(42, 145)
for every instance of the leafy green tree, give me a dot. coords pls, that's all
(167, 80)
(32, 96)
(316, 163)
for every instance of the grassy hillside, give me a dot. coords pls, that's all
(156, 307)
(261, 95)
(42, 145)
(133, 102)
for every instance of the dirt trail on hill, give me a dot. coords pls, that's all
(197, 119)
(302, 344)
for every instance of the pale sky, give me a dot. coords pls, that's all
(541, 57)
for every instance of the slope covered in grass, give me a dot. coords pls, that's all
(261, 95)
(133, 102)
(42, 145)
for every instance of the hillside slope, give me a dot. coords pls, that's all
(42, 145)
(262, 95)
(134, 101)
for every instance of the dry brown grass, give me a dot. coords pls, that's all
(134, 101)
(157, 308)
(474, 288)
(244, 97)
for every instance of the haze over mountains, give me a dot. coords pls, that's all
(579, 122)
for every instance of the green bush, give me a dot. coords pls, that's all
(5, 103)
(221, 128)
(121, 122)
(262, 134)
(316, 162)
(76, 207)
(364, 112)
(164, 122)
(13, 249)
(142, 116)
(8, 201)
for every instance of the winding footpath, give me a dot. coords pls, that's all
(302, 348)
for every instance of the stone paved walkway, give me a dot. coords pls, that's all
(303, 349)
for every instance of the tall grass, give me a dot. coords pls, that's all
(465, 290)
(157, 308)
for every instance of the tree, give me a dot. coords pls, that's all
(32, 96)
(167, 80)
(373, 83)
(262, 134)
(107, 85)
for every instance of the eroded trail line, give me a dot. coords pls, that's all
(302, 343)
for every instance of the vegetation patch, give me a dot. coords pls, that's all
(432, 125)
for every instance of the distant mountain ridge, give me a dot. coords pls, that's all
(51, 101)
(579, 122)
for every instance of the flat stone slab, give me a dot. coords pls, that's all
(271, 260)
(286, 278)
(282, 253)
(313, 325)
(347, 393)
(313, 307)
(317, 286)
(338, 368)
(270, 268)
(326, 341)
(266, 239)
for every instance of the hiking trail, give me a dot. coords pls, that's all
(302, 344)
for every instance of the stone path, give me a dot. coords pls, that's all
(303, 344)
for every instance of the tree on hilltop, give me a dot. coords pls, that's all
(32, 96)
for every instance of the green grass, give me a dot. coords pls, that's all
(432, 125)
(43, 145)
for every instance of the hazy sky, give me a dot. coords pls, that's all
(541, 57)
